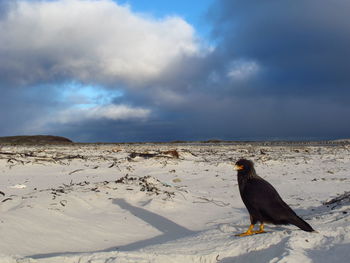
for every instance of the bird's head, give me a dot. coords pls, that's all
(244, 165)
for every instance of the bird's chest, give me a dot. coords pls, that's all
(242, 183)
(250, 191)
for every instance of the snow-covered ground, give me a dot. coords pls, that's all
(167, 203)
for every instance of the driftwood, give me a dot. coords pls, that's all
(6, 199)
(161, 154)
(147, 184)
(75, 171)
(14, 158)
(343, 198)
(215, 202)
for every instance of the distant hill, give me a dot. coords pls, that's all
(34, 139)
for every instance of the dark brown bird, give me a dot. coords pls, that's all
(263, 202)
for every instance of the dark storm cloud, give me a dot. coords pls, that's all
(21, 108)
(302, 47)
(280, 69)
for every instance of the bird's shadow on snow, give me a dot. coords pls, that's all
(170, 230)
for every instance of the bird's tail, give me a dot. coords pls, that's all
(297, 221)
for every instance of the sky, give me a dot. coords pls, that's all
(138, 70)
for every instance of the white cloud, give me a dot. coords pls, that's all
(107, 112)
(241, 69)
(89, 40)
(79, 115)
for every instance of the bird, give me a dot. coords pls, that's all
(263, 202)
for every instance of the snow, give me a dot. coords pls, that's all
(139, 203)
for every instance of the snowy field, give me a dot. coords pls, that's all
(168, 203)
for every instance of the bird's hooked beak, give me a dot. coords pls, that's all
(238, 167)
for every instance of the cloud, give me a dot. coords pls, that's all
(277, 70)
(303, 48)
(88, 41)
(85, 116)
(109, 112)
(240, 70)
(20, 108)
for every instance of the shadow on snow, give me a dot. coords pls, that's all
(170, 230)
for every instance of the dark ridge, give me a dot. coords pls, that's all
(178, 141)
(34, 139)
(286, 143)
(213, 141)
(339, 142)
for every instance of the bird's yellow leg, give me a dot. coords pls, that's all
(261, 229)
(248, 232)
